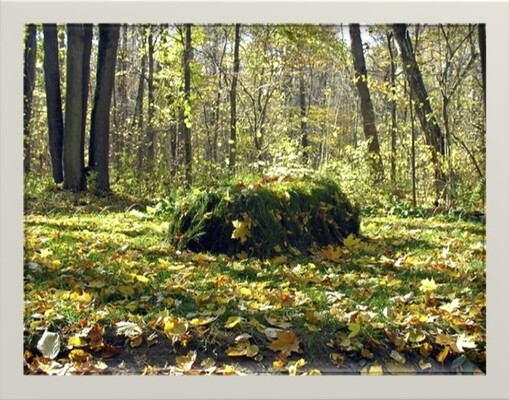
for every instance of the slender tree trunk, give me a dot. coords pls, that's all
(87, 51)
(393, 105)
(53, 100)
(150, 138)
(303, 117)
(367, 110)
(414, 178)
(138, 120)
(28, 89)
(233, 101)
(100, 121)
(188, 55)
(482, 49)
(74, 177)
(432, 132)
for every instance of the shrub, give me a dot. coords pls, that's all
(263, 219)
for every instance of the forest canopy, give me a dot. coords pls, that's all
(394, 113)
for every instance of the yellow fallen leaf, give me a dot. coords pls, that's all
(202, 321)
(375, 369)
(79, 356)
(136, 341)
(186, 362)
(350, 242)
(241, 230)
(366, 353)
(428, 285)
(82, 298)
(354, 328)
(174, 326)
(332, 253)
(126, 290)
(76, 341)
(232, 321)
(426, 349)
(450, 307)
(443, 354)
(286, 342)
(337, 359)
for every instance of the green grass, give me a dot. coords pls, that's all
(102, 262)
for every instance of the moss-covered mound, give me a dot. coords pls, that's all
(264, 219)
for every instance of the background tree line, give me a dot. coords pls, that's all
(393, 112)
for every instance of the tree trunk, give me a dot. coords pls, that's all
(432, 132)
(150, 138)
(138, 121)
(233, 100)
(28, 89)
(393, 113)
(482, 50)
(188, 54)
(87, 51)
(303, 117)
(100, 121)
(53, 100)
(74, 177)
(367, 110)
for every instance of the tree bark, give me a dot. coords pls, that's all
(188, 54)
(393, 112)
(367, 110)
(303, 117)
(150, 138)
(28, 89)
(53, 100)
(233, 100)
(74, 177)
(432, 133)
(100, 121)
(482, 50)
(87, 51)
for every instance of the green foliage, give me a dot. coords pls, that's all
(398, 294)
(264, 218)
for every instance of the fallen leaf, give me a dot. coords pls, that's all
(49, 344)
(443, 354)
(397, 357)
(79, 356)
(450, 307)
(351, 243)
(286, 342)
(241, 230)
(135, 341)
(428, 285)
(202, 321)
(232, 321)
(76, 341)
(186, 362)
(128, 329)
(337, 359)
(354, 328)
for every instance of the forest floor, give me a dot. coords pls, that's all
(105, 293)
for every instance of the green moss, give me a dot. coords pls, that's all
(280, 216)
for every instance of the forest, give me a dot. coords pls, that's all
(254, 199)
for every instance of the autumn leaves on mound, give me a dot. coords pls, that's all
(272, 216)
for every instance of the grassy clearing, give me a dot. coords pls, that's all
(407, 298)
